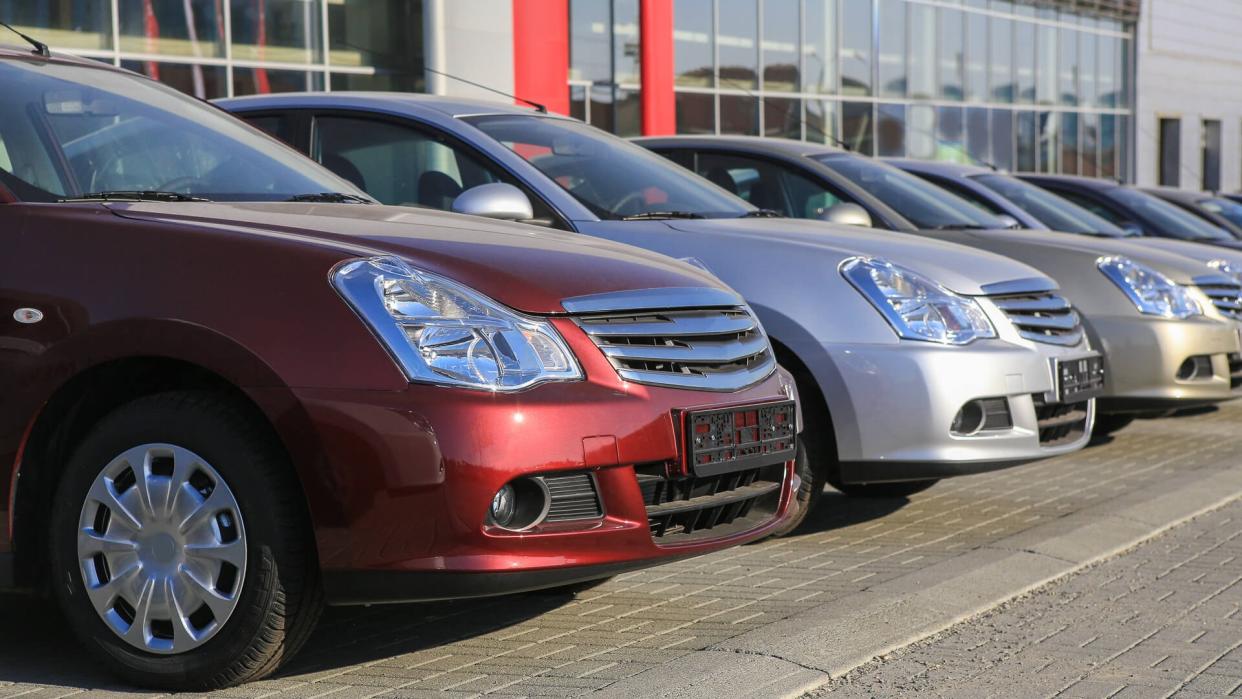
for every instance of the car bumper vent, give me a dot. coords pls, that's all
(572, 498)
(1042, 317)
(696, 508)
(1235, 370)
(1060, 423)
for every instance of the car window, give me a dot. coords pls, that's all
(1171, 220)
(277, 126)
(1089, 203)
(765, 184)
(1228, 208)
(966, 193)
(1054, 211)
(608, 175)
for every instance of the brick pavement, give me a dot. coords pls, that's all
(1160, 621)
(549, 644)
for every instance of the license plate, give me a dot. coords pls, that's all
(734, 439)
(1080, 379)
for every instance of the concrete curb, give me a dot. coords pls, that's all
(799, 654)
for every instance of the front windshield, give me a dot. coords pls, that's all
(1228, 208)
(1055, 212)
(613, 178)
(1170, 219)
(917, 200)
(67, 131)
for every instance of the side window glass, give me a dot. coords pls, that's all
(273, 125)
(808, 198)
(756, 181)
(1091, 205)
(968, 194)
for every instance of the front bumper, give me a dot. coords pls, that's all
(892, 407)
(1144, 354)
(412, 473)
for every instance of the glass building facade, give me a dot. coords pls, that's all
(219, 48)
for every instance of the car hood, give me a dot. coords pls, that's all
(1195, 251)
(528, 268)
(1019, 243)
(961, 269)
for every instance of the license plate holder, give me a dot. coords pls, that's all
(1079, 379)
(725, 440)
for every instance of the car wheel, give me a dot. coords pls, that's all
(900, 489)
(809, 492)
(180, 545)
(1108, 424)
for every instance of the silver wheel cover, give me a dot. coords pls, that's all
(162, 549)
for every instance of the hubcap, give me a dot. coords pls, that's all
(162, 548)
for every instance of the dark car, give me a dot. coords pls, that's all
(1133, 210)
(1222, 212)
(230, 395)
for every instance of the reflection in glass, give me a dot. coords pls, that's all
(1090, 143)
(856, 47)
(976, 57)
(978, 136)
(739, 114)
(284, 31)
(1024, 144)
(857, 123)
(1108, 146)
(203, 82)
(1046, 72)
(892, 49)
(952, 54)
(1087, 60)
(577, 101)
(737, 44)
(263, 81)
(353, 40)
(782, 118)
(819, 45)
(85, 24)
(628, 120)
(625, 42)
(602, 101)
(1002, 139)
(692, 43)
(1049, 125)
(921, 131)
(189, 29)
(696, 114)
(1024, 62)
(1001, 34)
(821, 122)
(922, 51)
(780, 46)
(951, 136)
(1068, 68)
(1109, 81)
(890, 130)
(589, 44)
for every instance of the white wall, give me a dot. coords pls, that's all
(471, 39)
(1190, 66)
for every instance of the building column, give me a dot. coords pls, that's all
(541, 52)
(659, 109)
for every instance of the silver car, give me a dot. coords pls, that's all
(916, 359)
(1157, 316)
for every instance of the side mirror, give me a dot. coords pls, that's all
(1009, 221)
(847, 214)
(496, 200)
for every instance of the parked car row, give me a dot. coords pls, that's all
(437, 348)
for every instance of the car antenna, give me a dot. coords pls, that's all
(40, 47)
(538, 107)
(827, 136)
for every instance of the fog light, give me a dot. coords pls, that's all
(504, 506)
(1197, 367)
(982, 415)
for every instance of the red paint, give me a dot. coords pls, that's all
(261, 84)
(541, 53)
(151, 29)
(659, 108)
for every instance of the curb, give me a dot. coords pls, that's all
(802, 653)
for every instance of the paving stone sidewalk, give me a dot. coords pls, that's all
(1162, 620)
(557, 644)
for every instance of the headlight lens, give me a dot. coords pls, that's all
(1150, 291)
(441, 332)
(1227, 268)
(916, 307)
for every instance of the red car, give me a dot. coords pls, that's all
(234, 387)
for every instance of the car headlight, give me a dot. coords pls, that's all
(1150, 291)
(1227, 268)
(916, 307)
(441, 332)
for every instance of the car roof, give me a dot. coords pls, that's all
(23, 52)
(1077, 180)
(936, 167)
(754, 144)
(1176, 194)
(403, 101)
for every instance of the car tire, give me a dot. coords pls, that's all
(809, 492)
(1106, 425)
(212, 478)
(901, 489)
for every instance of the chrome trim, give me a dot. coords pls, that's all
(1224, 293)
(730, 381)
(680, 325)
(1215, 280)
(1047, 318)
(708, 351)
(652, 299)
(1019, 286)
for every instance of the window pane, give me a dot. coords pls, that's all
(625, 41)
(1170, 152)
(602, 114)
(1087, 63)
(922, 51)
(782, 118)
(976, 57)
(1068, 69)
(1123, 149)
(1109, 63)
(1025, 142)
(384, 34)
(589, 50)
(739, 114)
(819, 45)
(86, 24)
(950, 135)
(1125, 78)
(696, 114)
(978, 139)
(892, 49)
(195, 28)
(1002, 139)
(821, 121)
(203, 82)
(856, 47)
(286, 31)
(1046, 73)
(628, 120)
(780, 45)
(891, 130)
(921, 132)
(856, 127)
(952, 49)
(577, 101)
(737, 44)
(1001, 35)
(1089, 145)
(1108, 146)
(1024, 62)
(1211, 155)
(692, 42)
(263, 81)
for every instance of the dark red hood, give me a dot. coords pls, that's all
(525, 267)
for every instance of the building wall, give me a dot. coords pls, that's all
(471, 39)
(1190, 67)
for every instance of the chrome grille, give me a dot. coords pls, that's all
(1042, 317)
(693, 508)
(719, 349)
(572, 498)
(1226, 296)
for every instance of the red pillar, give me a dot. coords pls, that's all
(541, 52)
(659, 108)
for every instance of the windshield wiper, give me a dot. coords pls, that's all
(656, 215)
(132, 195)
(763, 213)
(330, 198)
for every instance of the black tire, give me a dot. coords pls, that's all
(280, 599)
(901, 489)
(809, 493)
(1108, 424)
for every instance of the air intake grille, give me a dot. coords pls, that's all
(693, 508)
(1226, 297)
(1060, 423)
(1042, 317)
(572, 498)
(719, 349)
(1235, 370)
